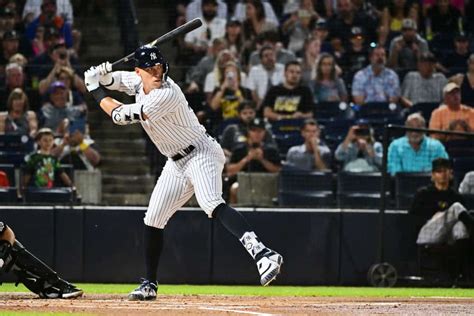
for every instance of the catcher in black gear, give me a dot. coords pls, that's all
(31, 271)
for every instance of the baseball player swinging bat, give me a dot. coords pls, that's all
(180, 30)
(195, 159)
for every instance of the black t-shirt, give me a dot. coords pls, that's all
(286, 102)
(270, 153)
(429, 200)
(236, 134)
(455, 63)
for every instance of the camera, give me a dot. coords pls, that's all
(362, 131)
(62, 55)
(255, 145)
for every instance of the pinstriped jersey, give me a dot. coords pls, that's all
(171, 124)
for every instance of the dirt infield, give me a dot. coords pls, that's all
(235, 305)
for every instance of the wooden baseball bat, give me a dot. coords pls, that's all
(183, 29)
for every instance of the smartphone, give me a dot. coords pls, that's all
(362, 131)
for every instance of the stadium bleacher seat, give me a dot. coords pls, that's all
(457, 148)
(359, 190)
(461, 166)
(298, 188)
(13, 148)
(324, 111)
(406, 185)
(424, 108)
(49, 195)
(380, 112)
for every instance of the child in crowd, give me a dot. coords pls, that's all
(42, 168)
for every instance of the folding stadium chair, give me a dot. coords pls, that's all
(324, 111)
(380, 112)
(305, 189)
(461, 166)
(359, 189)
(424, 108)
(49, 195)
(406, 185)
(16, 143)
(457, 148)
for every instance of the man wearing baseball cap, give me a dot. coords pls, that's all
(439, 209)
(452, 110)
(406, 48)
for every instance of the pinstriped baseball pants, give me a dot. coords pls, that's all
(200, 172)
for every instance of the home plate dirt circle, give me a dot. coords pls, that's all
(237, 305)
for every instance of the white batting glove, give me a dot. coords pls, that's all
(105, 70)
(91, 78)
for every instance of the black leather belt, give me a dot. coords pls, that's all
(186, 151)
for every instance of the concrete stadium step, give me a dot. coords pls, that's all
(132, 145)
(120, 162)
(129, 169)
(125, 199)
(143, 180)
(127, 189)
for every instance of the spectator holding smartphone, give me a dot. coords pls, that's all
(230, 93)
(359, 152)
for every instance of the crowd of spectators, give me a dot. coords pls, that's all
(291, 58)
(42, 92)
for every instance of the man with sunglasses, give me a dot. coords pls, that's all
(195, 160)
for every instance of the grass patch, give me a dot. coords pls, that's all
(11, 313)
(327, 291)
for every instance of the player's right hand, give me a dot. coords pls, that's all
(91, 79)
(105, 70)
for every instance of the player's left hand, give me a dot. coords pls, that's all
(91, 79)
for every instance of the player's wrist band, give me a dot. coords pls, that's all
(83, 146)
(99, 94)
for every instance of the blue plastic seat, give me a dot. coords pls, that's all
(359, 190)
(298, 188)
(406, 185)
(324, 111)
(461, 166)
(49, 195)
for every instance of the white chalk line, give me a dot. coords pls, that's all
(227, 310)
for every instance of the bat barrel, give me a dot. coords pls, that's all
(183, 29)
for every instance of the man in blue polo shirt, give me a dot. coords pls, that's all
(414, 152)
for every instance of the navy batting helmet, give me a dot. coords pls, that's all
(149, 56)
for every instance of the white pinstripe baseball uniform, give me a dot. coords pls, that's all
(173, 127)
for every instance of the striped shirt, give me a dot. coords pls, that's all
(171, 124)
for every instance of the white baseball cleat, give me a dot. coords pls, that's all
(269, 266)
(145, 292)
